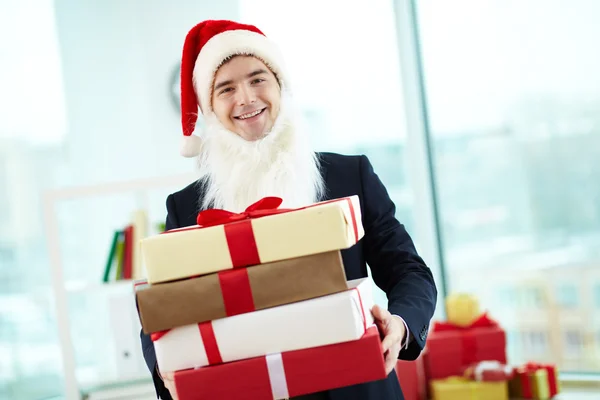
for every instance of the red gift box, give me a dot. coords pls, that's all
(288, 374)
(411, 375)
(450, 348)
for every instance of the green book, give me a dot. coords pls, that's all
(111, 256)
(120, 257)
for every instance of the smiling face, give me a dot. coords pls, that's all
(246, 97)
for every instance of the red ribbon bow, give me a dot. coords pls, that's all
(262, 208)
(482, 322)
(533, 366)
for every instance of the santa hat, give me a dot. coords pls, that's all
(207, 45)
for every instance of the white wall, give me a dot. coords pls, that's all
(117, 59)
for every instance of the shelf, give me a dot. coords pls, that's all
(87, 287)
(128, 389)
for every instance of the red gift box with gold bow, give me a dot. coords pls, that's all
(535, 381)
(451, 348)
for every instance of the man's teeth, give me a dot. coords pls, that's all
(252, 114)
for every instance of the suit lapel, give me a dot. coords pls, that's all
(323, 166)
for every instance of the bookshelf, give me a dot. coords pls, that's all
(61, 287)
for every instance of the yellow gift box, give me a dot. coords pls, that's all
(462, 309)
(459, 388)
(256, 236)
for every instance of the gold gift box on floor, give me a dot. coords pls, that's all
(462, 309)
(459, 388)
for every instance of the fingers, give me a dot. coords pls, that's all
(169, 381)
(392, 334)
(170, 385)
(389, 341)
(168, 376)
(391, 358)
(381, 315)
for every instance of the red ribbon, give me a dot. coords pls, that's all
(154, 336)
(238, 226)
(362, 309)
(213, 354)
(482, 322)
(262, 208)
(209, 340)
(236, 291)
(526, 390)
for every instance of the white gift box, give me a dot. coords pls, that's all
(336, 318)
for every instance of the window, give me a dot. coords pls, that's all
(506, 297)
(539, 343)
(534, 344)
(129, 75)
(567, 296)
(512, 106)
(573, 341)
(533, 298)
(512, 95)
(378, 129)
(597, 296)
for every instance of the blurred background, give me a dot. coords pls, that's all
(482, 117)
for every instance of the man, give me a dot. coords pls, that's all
(252, 146)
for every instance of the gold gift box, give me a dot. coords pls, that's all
(459, 388)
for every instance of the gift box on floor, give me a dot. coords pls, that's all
(241, 290)
(535, 381)
(411, 375)
(288, 374)
(460, 388)
(261, 234)
(330, 319)
(451, 348)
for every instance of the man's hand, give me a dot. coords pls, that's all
(393, 332)
(169, 381)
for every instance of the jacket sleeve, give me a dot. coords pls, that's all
(395, 265)
(147, 345)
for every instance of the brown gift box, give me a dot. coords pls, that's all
(169, 305)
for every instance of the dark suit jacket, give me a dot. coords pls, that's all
(386, 248)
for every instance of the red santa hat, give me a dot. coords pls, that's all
(207, 45)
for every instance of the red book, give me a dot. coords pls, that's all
(128, 253)
(287, 374)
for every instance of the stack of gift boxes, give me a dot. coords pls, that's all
(465, 359)
(256, 305)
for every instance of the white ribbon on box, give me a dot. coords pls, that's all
(277, 376)
(490, 365)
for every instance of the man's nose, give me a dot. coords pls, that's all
(245, 96)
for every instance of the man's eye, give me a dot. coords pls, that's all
(226, 90)
(258, 80)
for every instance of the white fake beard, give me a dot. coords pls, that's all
(236, 173)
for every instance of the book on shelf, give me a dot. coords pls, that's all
(124, 260)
